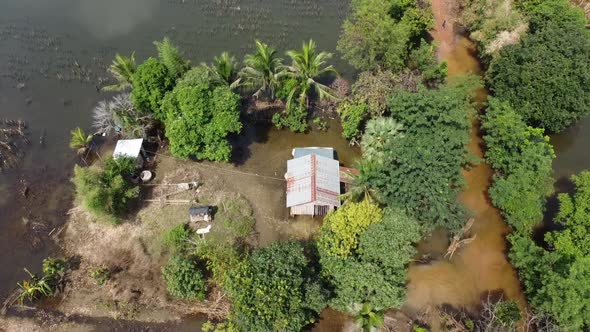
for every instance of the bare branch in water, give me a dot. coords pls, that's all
(12, 136)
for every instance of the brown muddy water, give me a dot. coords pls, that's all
(479, 269)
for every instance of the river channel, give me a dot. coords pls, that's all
(54, 55)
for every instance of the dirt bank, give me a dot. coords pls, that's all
(481, 268)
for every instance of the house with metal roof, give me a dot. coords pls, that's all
(313, 184)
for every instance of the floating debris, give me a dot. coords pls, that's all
(13, 136)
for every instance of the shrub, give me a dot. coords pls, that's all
(183, 279)
(106, 192)
(294, 118)
(100, 275)
(177, 238)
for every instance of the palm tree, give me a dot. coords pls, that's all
(306, 67)
(80, 141)
(224, 70)
(122, 70)
(171, 57)
(263, 70)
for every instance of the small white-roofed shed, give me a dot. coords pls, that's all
(130, 148)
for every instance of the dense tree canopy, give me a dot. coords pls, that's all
(198, 117)
(276, 289)
(420, 171)
(545, 77)
(151, 81)
(379, 34)
(183, 278)
(368, 273)
(522, 157)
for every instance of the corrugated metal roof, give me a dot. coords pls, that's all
(128, 148)
(302, 152)
(313, 178)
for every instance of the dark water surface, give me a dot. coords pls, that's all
(54, 55)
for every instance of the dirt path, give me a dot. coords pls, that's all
(481, 269)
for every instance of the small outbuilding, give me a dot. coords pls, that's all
(130, 148)
(313, 182)
(200, 213)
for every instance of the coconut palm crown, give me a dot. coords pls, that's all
(122, 70)
(307, 65)
(263, 70)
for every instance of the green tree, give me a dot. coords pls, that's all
(369, 275)
(307, 65)
(367, 318)
(263, 70)
(177, 238)
(276, 289)
(380, 34)
(199, 117)
(545, 77)
(224, 70)
(421, 170)
(122, 69)
(151, 81)
(171, 57)
(106, 192)
(341, 229)
(521, 156)
(183, 278)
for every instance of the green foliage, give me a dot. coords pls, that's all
(339, 235)
(275, 290)
(80, 141)
(352, 115)
(100, 275)
(54, 270)
(368, 274)
(368, 318)
(183, 278)
(306, 67)
(106, 192)
(224, 70)
(374, 89)
(507, 313)
(521, 156)
(380, 34)
(493, 24)
(151, 81)
(574, 216)
(545, 77)
(171, 57)
(263, 71)
(294, 118)
(424, 60)
(421, 171)
(224, 247)
(177, 238)
(320, 124)
(198, 119)
(122, 70)
(542, 13)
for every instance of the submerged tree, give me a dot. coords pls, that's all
(262, 70)
(306, 67)
(122, 70)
